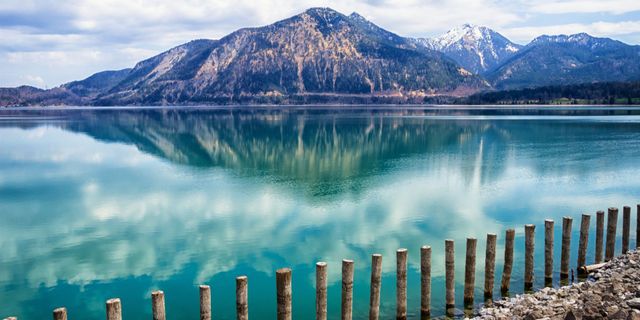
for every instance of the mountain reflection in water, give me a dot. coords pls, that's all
(101, 203)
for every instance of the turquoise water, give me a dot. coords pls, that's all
(107, 203)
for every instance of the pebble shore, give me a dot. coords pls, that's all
(612, 292)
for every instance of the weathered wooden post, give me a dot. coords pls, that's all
(283, 286)
(114, 309)
(401, 284)
(157, 305)
(376, 282)
(60, 314)
(321, 291)
(347, 289)
(548, 252)
(425, 282)
(242, 298)
(529, 244)
(205, 302)
(638, 226)
(612, 224)
(449, 274)
(490, 265)
(566, 247)
(584, 240)
(626, 226)
(599, 235)
(508, 260)
(470, 272)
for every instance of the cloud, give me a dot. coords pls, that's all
(35, 81)
(581, 6)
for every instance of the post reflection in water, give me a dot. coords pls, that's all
(117, 203)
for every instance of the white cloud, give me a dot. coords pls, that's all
(32, 80)
(581, 6)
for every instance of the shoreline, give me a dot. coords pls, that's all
(612, 292)
(341, 107)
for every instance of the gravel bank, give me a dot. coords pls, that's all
(612, 292)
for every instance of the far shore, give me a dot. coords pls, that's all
(345, 106)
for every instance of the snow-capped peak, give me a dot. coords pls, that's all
(476, 48)
(466, 32)
(579, 37)
(356, 16)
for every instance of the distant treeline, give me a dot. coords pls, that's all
(590, 93)
(607, 93)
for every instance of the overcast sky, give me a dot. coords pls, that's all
(49, 42)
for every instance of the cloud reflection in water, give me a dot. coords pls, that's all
(142, 199)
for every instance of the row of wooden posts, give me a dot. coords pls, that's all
(283, 276)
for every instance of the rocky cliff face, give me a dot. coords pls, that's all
(320, 51)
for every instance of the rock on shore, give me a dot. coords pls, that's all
(612, 292)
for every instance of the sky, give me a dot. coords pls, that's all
(45, 43)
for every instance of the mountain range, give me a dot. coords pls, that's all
(322, 55)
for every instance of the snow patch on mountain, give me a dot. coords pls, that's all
(476, 48)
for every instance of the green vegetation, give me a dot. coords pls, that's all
(623, 93)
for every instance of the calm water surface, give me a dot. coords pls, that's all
(97, 204)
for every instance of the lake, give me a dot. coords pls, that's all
(109, 203)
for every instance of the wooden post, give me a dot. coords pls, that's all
(584, 240)
(566, 247)
(449, 274)
(283, 285)
(425, 282)
(508, 260)
(548, 251)
(470, 272)
(401, 284)
(242, 298)
(612, 224)
(490, 265)
(529, 244)
(60, 314)
(321, 291)
(599, 235)
(205, 302)
(626, 226)
(376, 275)
(157, 305)
(114, 309)
(638, 226)
(347, 289)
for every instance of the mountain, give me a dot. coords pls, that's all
(323, 56)
(568, 59)
(97, 84)
(476, 48)
(319, 52)
(27, 95)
